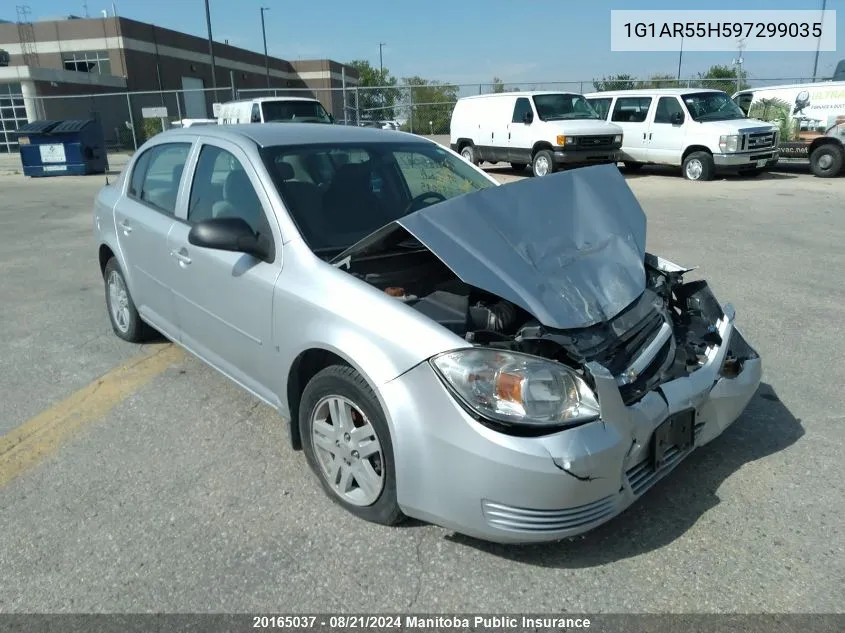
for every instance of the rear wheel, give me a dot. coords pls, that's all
(518, 166)
(347, 443)
(826, 160)
(698, 166)
(543, 163)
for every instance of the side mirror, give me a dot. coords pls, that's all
(331, 118)
(528, 118)
(228, 234)
(677, 118)
(255, 118)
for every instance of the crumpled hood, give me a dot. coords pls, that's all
(568, 248)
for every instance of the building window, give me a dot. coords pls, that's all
(88, 62)
(12, 116)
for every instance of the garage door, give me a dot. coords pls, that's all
(195, 107)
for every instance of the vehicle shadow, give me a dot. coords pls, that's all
(675, 504)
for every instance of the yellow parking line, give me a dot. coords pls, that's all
(41, 436)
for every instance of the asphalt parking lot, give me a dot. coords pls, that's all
(141, 480)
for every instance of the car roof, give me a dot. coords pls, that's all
(651, 91)
(272, 134)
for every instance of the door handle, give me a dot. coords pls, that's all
(643, 135)
(126, 228)
(182, 257)
(649, 136)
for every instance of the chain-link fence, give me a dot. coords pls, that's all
(421, 109)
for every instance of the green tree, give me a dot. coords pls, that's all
(378, 93)
(659, 80)
(498, 85)
(722, 78)
(615, 82)
(430, 105)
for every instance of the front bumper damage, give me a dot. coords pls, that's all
(511, 489)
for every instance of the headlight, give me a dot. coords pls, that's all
(519, 389)
(570, 140)
(617, 138)
(729, 143)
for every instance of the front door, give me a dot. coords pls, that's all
(667, 131)
(224, 300)
(144, 219)
(521, 133)
(631, 113)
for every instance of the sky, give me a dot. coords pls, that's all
(455, 41)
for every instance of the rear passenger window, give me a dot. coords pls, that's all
(631, 109)
(157, 175)
(602, 106)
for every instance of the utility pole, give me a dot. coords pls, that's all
(211, 49)
(680, 57)
(818, 45)
(738, 63)
(380, 58)
(264, 35)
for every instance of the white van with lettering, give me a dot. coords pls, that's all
(700, 130)
(810, 118)
(546, 130)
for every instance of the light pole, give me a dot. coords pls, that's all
(211, 49)
(680, 58)
(380, 59)
(264, 35)
(818, 45)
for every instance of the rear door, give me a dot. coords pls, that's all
(631, 114)
(224, 300)
(144, 218)
(666, 133)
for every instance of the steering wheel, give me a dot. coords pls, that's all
(417, 202)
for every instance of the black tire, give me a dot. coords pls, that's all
(542, 159)
(519, 166)
(134, 330)
(826, 160)
(698, 166)
(468, 152)
(632, 166)
(344, 381)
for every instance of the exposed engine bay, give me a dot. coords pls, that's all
(663, 335)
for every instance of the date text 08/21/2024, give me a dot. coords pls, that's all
(723, 29)
(413, 622)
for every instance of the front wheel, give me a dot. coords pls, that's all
(347, 443)
(124, 317)
(826, 160)
(698, 166)
(543, 163)
(468, 154)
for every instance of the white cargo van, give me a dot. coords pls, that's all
(702, 131)
(810, 118)
(543, 129)
(273, 109)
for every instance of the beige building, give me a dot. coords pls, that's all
(76, 68)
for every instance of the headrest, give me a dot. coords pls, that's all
(285, 170)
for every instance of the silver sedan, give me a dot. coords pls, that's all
(505, 361)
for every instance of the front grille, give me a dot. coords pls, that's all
(515, 519)
(594, 141)
(643, 476)
(760, 140)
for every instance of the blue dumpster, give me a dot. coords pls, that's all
(54, 148)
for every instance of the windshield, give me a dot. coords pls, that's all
(302, 111)
(338, 194)
(712, 106)
(561, 106)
